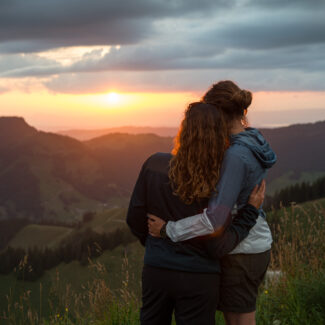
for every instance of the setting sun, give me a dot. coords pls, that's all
(113, 98)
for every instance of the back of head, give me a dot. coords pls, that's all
(198, 152)
(229, 98)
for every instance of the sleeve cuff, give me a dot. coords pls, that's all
(187, 228)
(251, 208)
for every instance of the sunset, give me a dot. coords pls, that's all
(162, 162)
(157, 57)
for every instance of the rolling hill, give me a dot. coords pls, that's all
(299, 148)
(32, 169)
(40, 235)
(51, 176)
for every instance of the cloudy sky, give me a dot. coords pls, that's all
(82, 63)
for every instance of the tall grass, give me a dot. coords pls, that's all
(95, 304)
(295, 295)
(299, 233)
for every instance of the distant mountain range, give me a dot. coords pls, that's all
(90, 134)
(52, 176)
(300, 148)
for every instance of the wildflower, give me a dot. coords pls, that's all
(266, 292)
(58, 315)
(66, 309)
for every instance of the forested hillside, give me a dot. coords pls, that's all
(55, 177)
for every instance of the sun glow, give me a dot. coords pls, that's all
(113, 98)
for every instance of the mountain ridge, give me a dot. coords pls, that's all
(88, 134)
(84, 134)
(45, 175)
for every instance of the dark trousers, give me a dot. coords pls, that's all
(192, 296)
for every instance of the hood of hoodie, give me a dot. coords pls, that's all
(255, 141)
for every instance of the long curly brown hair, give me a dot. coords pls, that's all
(198, 152)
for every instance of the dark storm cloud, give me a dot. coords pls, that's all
(157, 59)
(273, 44)
(291, 40)
(272, 31)
(34, 25)
(178, 57)
(280, 4)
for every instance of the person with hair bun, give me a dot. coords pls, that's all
(245, 164)
(232, 101)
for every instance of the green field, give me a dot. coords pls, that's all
(50, 236)
(111, 267)
(73, 274)
(39, 236)
(107, 291)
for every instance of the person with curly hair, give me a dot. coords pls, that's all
(184, 277)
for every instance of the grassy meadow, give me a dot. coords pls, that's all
(38, 235)
(107, 291)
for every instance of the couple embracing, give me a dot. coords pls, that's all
(198, 213)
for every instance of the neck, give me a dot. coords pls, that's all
(236, 127)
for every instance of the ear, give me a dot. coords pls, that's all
(245, 112)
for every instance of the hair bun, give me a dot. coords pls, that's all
(228, 97)
(242, 99)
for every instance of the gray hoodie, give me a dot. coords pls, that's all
(244, 165)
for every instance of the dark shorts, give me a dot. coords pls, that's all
(192, 296)
(241, 276)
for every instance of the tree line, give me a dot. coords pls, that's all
(30, 265)
(297, 193)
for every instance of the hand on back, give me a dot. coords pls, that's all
(257, 196)
(154, 225)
